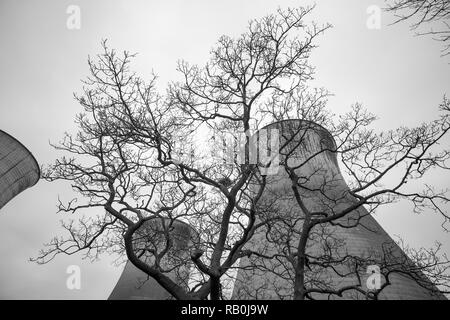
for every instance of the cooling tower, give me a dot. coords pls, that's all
(19, 170)
(134, 284)
(308, 148)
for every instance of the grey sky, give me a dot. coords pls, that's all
(397, 76)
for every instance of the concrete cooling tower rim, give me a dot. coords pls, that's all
(38, 169)
(311, 124)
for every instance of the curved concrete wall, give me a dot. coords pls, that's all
(302, 145)
(19, 170)
(134, 284)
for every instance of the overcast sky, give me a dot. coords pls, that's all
(394, 74)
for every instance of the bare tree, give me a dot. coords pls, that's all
(153, 184)
(126, 159)
(433, 14)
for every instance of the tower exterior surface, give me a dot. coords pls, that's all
(308, 148)
(134, 284)
(19, 170)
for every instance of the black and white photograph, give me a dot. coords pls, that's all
(228, 154)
